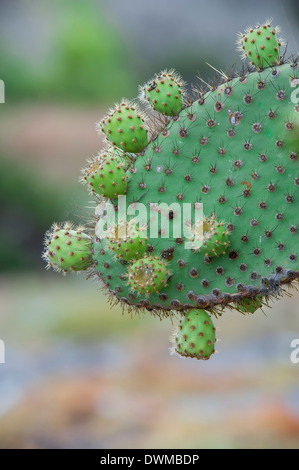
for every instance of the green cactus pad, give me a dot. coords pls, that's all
(106, 176)
(164, 93)
(148, 275)
(124, 127)
(127, 241)
(196, 335)
(261, 46)
(68, 249)
(234, 150)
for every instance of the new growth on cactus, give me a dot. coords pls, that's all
(261, 45)
(164, 93)
(210, 196)
(127, 240)
(148, 275)
(196, 335)
(124, 128)
(106, 176)
(67, 248)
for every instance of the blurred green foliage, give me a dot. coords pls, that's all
(88, 59)
(27, 204)
(91, 58)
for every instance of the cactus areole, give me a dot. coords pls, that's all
(205, 191)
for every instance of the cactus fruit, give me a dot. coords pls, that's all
(67, 249)
(196, 335)
(126, 240)
(261, 45)
(106, 176)
(215, 237)
(124, 128)
(232, 153)
(249, 305)
(148, 275)
(164, 93)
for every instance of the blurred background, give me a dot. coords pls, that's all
(78, 373)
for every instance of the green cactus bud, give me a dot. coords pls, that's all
(213, 235)
(126, 240)
(106, 176)
(148, 275)
(124, 127)
(164, 92)
(261, 45)
(249, 305)
(67, 248)
(196, 335)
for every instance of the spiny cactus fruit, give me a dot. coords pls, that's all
(124, 128)
(215, 188)
(164, 93)
(148, 275)
(249, 305)
(196, 335)
(261, 45)
(106, 176)
(127, 240)
(67, 248)
(214, 239)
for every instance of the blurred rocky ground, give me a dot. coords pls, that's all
(80, 374)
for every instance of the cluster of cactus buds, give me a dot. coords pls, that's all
(231, 151)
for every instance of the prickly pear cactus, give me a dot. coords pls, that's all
(215, 178)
